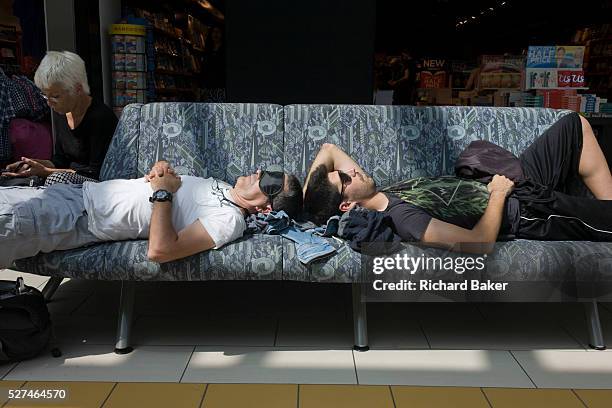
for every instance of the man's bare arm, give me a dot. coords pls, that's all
(166, 245)
(483, 236)
(334, 158)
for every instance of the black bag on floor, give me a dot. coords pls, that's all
(25, 325)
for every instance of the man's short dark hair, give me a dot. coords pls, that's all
(322, 198)
(290, 200)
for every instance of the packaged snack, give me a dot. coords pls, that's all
(118, 97)
(135, 80)
(134, 44)
(119, 80)
(118, 43)
(134, 62)
(119, 62)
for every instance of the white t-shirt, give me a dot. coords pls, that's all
(120, 209)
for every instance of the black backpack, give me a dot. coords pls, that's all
(25, 325)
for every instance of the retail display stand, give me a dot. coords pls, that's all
(129, 64)
(10, 50)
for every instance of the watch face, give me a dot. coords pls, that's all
(161, 195)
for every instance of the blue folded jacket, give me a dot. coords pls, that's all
(308, 245)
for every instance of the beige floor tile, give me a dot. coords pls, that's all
(567, 369)
(270, 365)
(427, 397)
(5, 386)
(462, 368)
(345, 396)
(156, 395)
(36, 281)
(100, 363)
(251, 395)
(78, 394)
(539, 398)
(595, 398)
(194, 330)
(331, 329)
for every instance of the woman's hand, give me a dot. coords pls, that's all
(27, 168)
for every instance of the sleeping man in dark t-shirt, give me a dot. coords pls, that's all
(451, 212)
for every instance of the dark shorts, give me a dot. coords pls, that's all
(553, 158)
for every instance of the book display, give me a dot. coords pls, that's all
(179, 47)
(10, 50)
(128, 64)
(178, 55)
(597, 41)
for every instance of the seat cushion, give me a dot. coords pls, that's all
(511, 128)
(391, 143)
(250, 258)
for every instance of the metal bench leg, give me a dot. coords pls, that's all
(360, 323)
(51, 286)
(124, 326)
(595, 335)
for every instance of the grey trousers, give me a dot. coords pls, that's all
(42, 219)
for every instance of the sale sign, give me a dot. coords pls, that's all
(570, 78)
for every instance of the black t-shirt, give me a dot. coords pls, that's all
(413, 203)
(84, 148)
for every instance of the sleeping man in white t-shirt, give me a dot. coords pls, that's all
(180, 215)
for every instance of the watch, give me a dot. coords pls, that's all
(161, 196)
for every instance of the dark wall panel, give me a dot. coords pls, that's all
(302, 51)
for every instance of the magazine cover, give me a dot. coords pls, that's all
(501, 71)
(541, 78)
(541, 57)
(570, 56)
(570, 78)
(433, 73)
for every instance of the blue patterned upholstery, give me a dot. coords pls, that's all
(120, 162)
(511, 128)
(391, 143)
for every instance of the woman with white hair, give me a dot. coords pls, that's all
(83, 125)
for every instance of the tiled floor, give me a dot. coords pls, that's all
(225, 333)
(200, 395)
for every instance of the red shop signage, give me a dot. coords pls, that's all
(570, 79)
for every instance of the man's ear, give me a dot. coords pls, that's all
(347, 205)
(264, 210)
